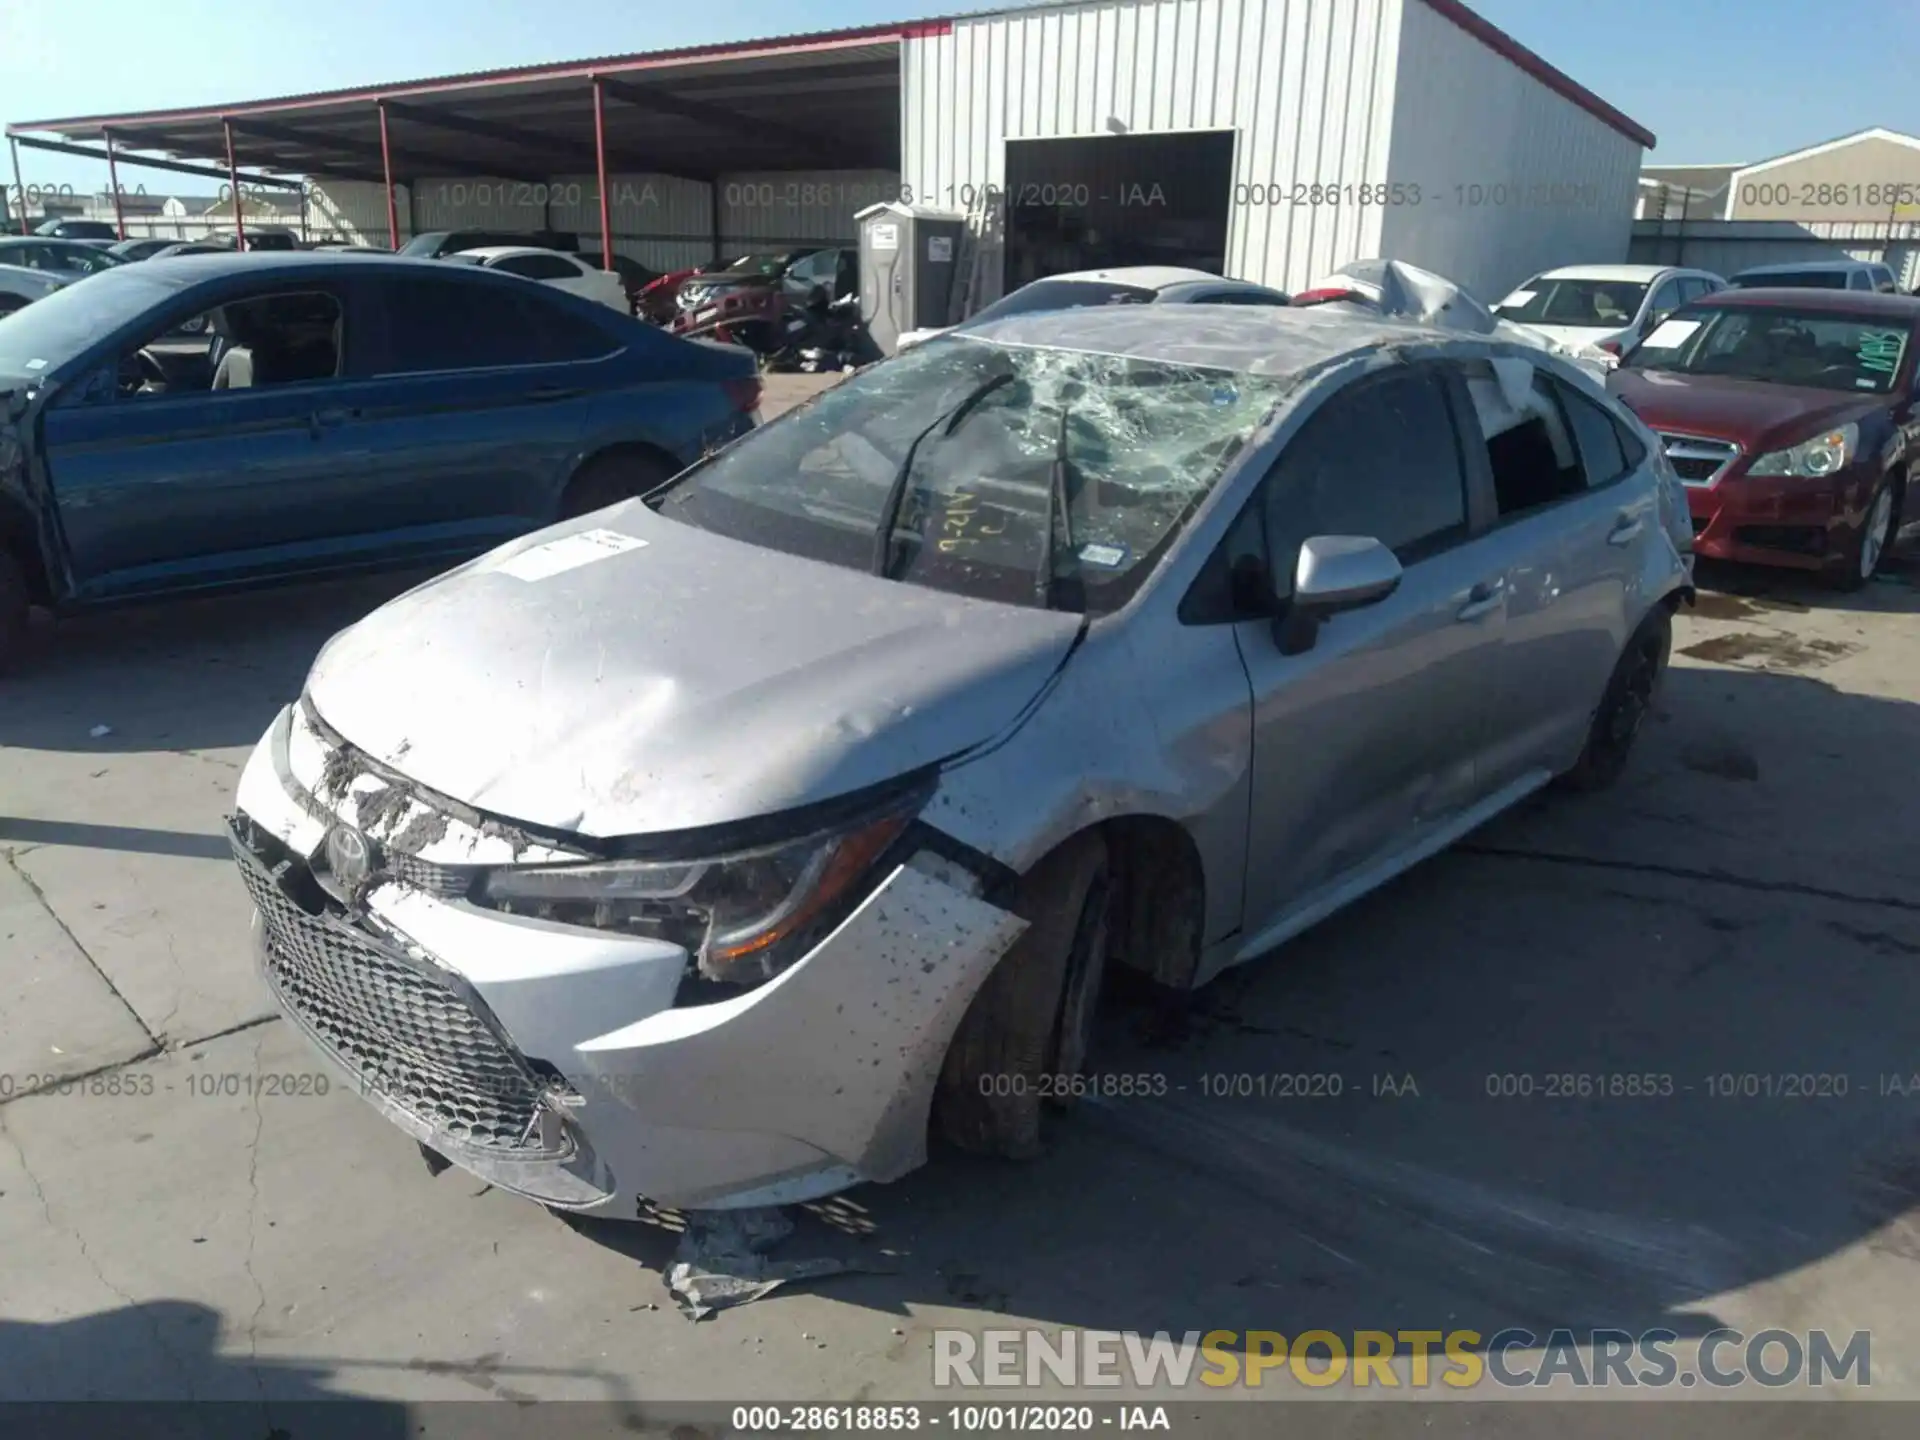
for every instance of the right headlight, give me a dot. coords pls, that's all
(743, 916)
(1811, 459)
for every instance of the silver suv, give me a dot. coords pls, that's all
(702, 848)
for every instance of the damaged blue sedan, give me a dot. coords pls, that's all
(348, 412)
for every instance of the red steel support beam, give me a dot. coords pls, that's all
(386, 171)
(600, 164)
(233, 184)
(18, 188)
(113, 184)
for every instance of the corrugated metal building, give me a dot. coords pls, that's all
(1269, 139)
(1407, 128)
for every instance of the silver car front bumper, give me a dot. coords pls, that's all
(554, 1062)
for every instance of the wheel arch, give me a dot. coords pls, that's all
(623, 449)
(1159, 887)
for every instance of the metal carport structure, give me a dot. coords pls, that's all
(826, 102)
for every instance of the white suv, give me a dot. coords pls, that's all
(1821, 275)
(1610, 307)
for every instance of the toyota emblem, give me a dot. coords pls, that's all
(349, 856)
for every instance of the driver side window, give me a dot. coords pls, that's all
(1381, 459)
(284, 338)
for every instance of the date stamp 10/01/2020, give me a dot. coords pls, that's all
(1144, 193)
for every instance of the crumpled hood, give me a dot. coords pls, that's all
(684, 681)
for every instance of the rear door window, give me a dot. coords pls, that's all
(555, 334)
(440, 325)
(1531, 451)
(1596, 436)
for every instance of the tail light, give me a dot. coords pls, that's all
(743, 392)
(1320, 297)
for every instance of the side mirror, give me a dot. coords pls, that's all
(1334, 573)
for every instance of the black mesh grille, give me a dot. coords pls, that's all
(1696, 459)
(447, 882)
(402, 1033)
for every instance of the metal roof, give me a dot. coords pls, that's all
(826, 99)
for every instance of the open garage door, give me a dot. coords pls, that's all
(1094, 203)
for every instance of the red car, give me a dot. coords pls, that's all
(1791, 416)
(659, 300)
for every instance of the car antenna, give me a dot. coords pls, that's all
(897, 491)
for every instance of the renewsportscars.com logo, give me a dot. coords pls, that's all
(1416, 1359)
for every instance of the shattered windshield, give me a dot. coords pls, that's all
(1042, 477)
(1782, 347)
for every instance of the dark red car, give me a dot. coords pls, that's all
(1791, 416)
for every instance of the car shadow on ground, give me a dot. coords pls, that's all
(169, 1348)
(195, 674)
(156, 1369)
(1730, 591)
(1503, 1091)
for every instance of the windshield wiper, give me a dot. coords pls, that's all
(1059, 507)
(897, 491)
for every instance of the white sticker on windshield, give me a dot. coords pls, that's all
(569, 553)
(1519, 297)
(1671, 333)
(1106, 557)
(36, 364)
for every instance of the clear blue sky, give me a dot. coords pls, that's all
(1770, 75)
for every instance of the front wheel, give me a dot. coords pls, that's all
(1624, 707)
(1870, 546)
(1025, 1036)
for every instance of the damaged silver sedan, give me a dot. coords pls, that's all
(703, 850)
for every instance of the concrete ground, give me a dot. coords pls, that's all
(1745, 903)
